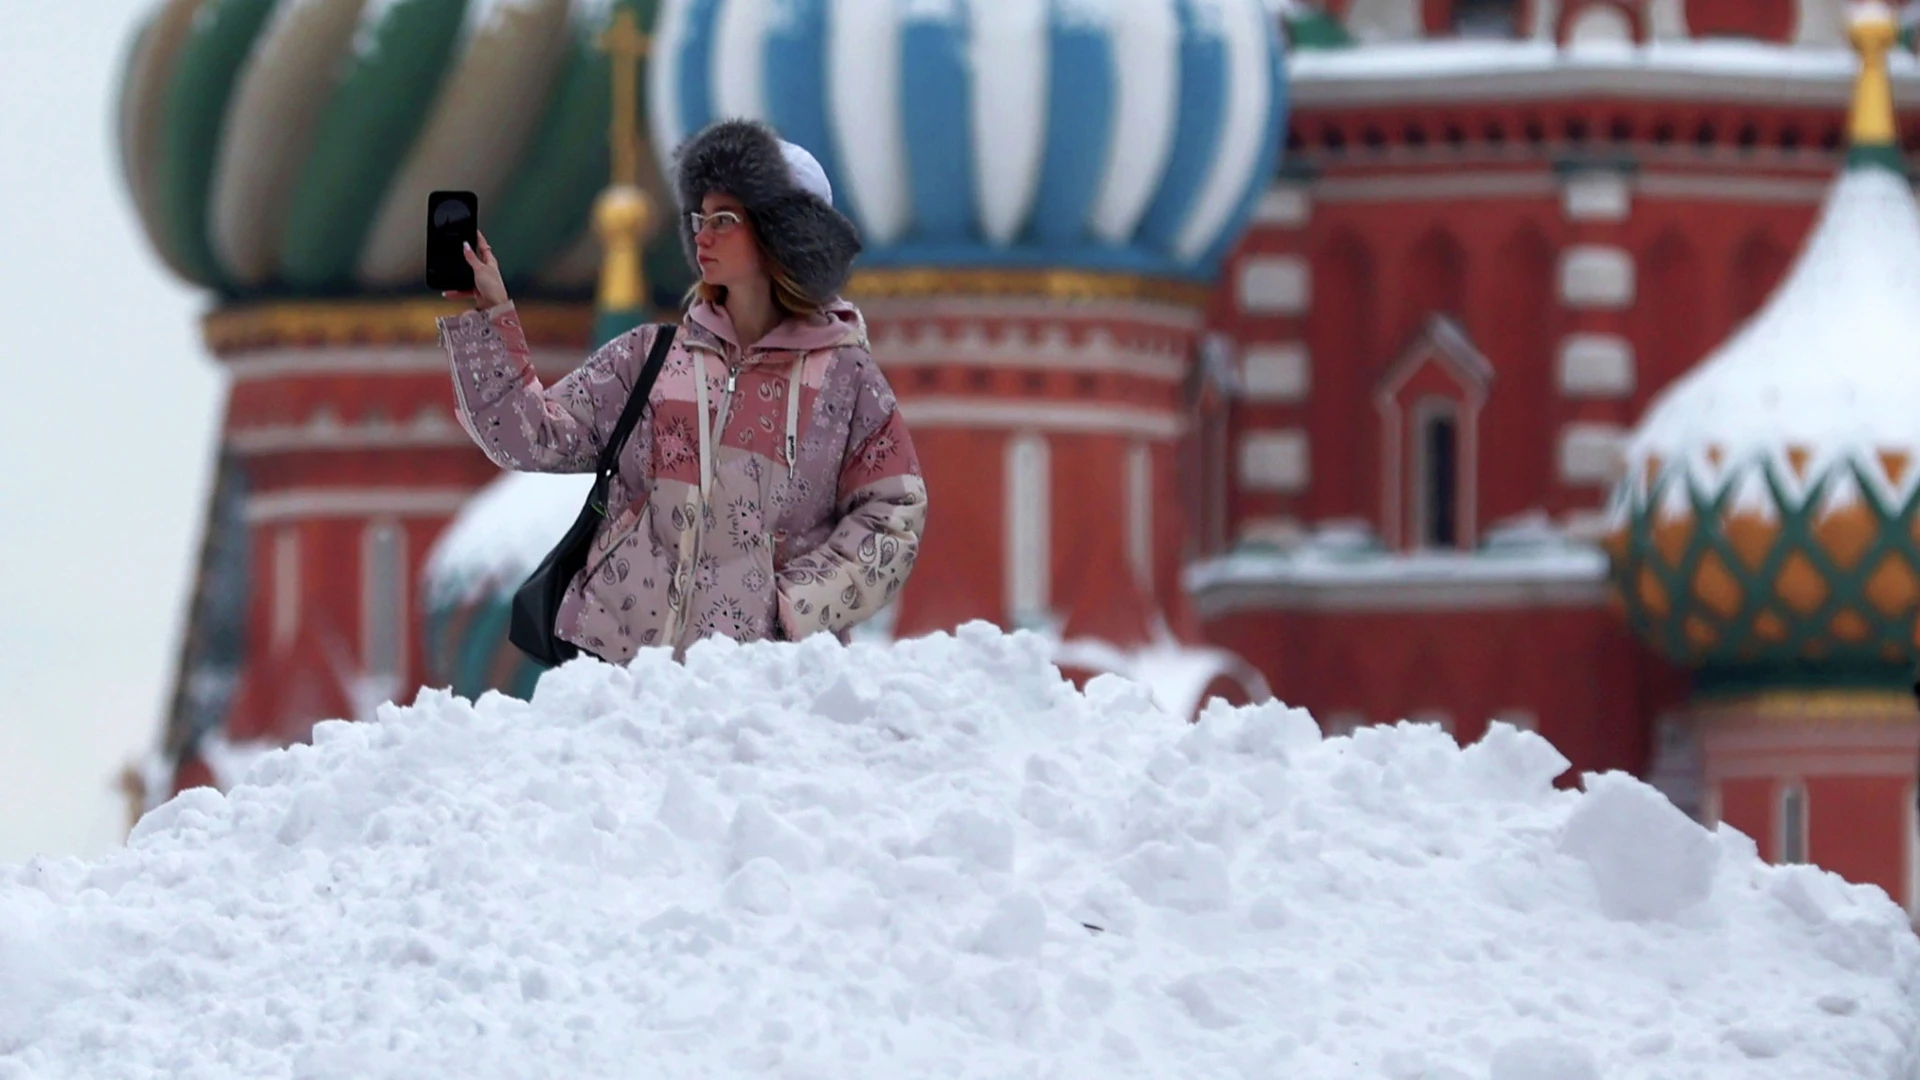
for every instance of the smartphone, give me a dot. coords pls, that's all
(453, 219)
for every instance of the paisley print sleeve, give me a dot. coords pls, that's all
(518, 423)
(882, 505)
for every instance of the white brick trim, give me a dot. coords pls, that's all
(1597, 196)
(1286, 205)
(1281, 372)
(302, 504)
(1596, 366)
(1275, 461)
(1597, 276)
(1590, 454)
(1063, 417)
(1274, 285)
(1029, 526)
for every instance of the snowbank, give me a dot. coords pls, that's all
(816, 861)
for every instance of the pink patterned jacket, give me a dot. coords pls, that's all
(768, 492)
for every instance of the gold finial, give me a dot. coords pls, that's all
(627, 46)
(623, 215)
(1873, 29)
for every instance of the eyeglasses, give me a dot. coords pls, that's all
(721, 222)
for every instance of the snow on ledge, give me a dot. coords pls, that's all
(1527, 550)
(934, 859)
(1454, 57)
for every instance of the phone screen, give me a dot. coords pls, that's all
(453, 219)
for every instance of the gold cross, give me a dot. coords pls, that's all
(627, 46)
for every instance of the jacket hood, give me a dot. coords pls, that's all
(838, 324)
(802, 232)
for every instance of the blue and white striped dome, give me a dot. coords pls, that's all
(1122, 135)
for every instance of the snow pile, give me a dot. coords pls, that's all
(816, 861)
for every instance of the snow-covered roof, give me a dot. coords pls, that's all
(1525, 549)
(1569, 563)
(934, 859)
(1460, 67)
(1830, 366)
(502, 534)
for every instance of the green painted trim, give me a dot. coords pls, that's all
(1738, 646)
(1877, 157)
(437, 631)
(377, 110)
(1729, 680)
(1317, 30)
(608, 325)
(482, 639)
(1568, 165)
(216, 46)
(525, 678)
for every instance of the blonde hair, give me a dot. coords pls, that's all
(788, 296)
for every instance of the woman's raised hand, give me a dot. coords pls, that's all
(488, 288)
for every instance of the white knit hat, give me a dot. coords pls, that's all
(807, 173)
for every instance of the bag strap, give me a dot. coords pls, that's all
(637, 402)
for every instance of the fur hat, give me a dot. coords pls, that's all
(786, 195)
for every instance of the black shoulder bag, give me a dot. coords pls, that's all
(536, 606)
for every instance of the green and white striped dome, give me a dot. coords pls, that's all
(287, 147)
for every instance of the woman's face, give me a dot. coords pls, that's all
(729, 253)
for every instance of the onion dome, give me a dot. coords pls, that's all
(1765, 528)
(1104, 135)
(473, 570)
(287, 147)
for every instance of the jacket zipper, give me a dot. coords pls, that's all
(711, 456)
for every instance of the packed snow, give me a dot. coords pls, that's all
(933, 859)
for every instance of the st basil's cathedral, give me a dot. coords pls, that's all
(1541, 362)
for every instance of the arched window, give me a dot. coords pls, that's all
(1486, 18)
(1913, 850)
(1430, 403)
(1139, 520)
(1029, 529)
(383, 601)
(1793, 824)
(1205, 476)
(286, 586)
(1437, 457)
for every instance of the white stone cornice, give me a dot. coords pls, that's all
(1486, 184)
(1065, 417)
(300, 504)
(884, 312)
(431, 430)
(281, 363)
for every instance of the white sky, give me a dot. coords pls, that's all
(105, 444)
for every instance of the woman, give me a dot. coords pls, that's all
(770, 490)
